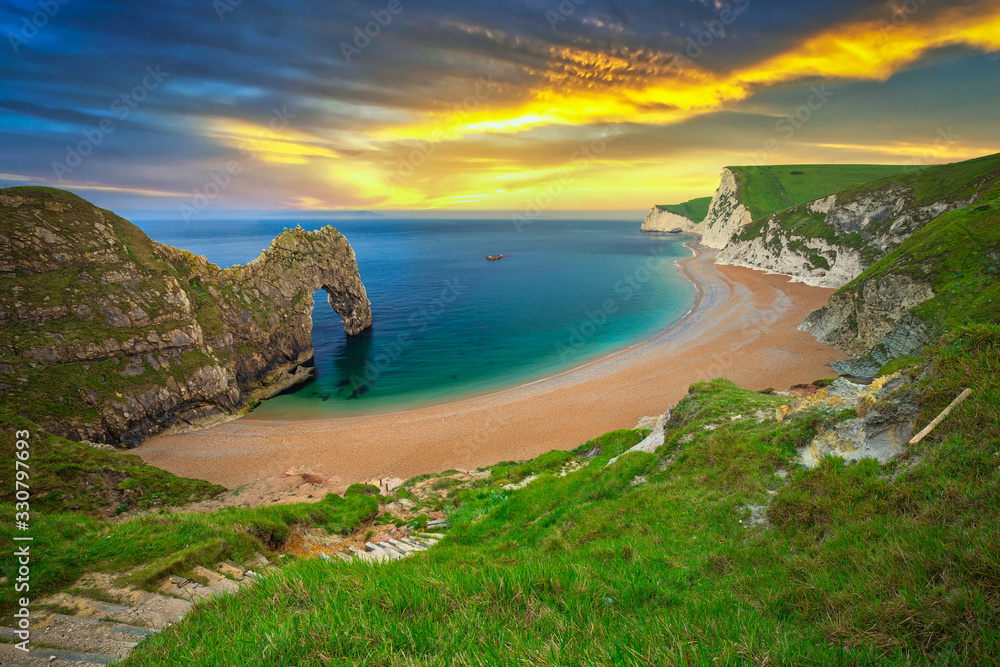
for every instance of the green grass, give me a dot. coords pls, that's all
(694, 210)
(69, 544)
(70, 475)
(862, 563)
(900, 363)
(767, 190)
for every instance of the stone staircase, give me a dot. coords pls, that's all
(392, 549)
(98, 632)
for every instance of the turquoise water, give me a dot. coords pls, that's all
(448, 323)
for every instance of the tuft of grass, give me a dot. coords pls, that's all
(900, 363)
(361, 490)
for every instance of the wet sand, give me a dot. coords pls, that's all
(742, 327)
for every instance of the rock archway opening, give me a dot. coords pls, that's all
(339, 358)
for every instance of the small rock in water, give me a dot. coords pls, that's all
(493, 258)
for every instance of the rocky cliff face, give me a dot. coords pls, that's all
(829, 242)
(872, 322)
(727, 214)
(885, 411)
(660, 220)
(912, 256)
(112, 337)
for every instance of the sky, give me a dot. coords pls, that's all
(192, 109)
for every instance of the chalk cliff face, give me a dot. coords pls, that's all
(660, 220)
(727, 214)
(112, 337)
(830, 241)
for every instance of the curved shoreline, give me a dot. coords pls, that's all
(742, 325)
(693, 246)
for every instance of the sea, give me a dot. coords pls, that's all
(448, 324)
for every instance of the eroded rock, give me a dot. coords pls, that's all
(112, 337)
(881, 429)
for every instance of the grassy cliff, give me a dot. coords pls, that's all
(972, 179)
(930, 253)
(767, 190)
(711, 550)
(694, 210)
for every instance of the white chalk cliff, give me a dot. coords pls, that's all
(660, 220)
(726, 214)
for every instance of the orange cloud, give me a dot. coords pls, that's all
(671, 92)
(581, 89)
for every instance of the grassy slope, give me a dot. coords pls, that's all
(66, 474)
(766, 190)
(71, 544)
(694, 210)
(70, 500)
(863, 563)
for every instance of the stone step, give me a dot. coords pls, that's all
(343, 556)
(402, 546)
(439, 524)
(361, 555)
(377, 553)
(51, 657)
(417, 546)
(231, 570)
(75, 657)
(186, 589)
(216, 580)
(391, 553)
(433, 536)
(392, 549)
(425, 541)
(62, 621)
(87, 635)
(150, 610)
(259, 565)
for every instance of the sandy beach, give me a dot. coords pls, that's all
(742, 327)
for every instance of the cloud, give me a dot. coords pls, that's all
(415, 94)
